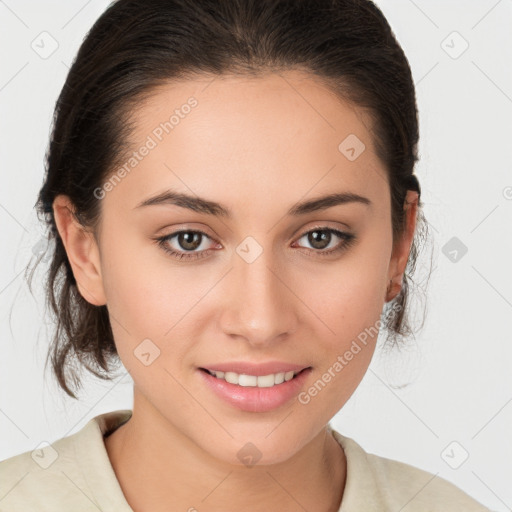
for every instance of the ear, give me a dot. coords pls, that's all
(402, 247)
(82, 251)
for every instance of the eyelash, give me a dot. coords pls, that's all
(348, 238)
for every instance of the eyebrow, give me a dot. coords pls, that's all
(200, 205)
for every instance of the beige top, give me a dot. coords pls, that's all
(74, 474)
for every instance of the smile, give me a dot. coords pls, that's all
(260, 381)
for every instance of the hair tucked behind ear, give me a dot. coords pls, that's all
(137, 45)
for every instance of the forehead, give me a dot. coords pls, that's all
(276, 136)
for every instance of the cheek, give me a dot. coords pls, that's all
(351, 311)
(146, 291)
(152, 298)
(348, 299)
(348, 295)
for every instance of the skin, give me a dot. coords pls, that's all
(258, 146)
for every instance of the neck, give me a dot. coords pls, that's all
(156, 465)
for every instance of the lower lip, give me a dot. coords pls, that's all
(255, 399)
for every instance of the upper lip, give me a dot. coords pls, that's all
(257, 369)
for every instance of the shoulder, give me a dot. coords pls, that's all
(62, 475)
(393, 485)
(41, 478)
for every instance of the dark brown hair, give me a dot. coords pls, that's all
(137, 45)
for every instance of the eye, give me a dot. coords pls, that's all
(323, 238)
(187, 241)
(190, 244)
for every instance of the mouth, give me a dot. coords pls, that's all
(260, 381)
(264, 392)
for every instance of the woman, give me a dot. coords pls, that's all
(231, 194)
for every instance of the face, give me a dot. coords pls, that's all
(261, 272)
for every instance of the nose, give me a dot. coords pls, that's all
(260, 305)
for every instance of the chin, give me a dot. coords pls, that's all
(256, 451)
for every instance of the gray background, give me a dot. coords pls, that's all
(448, 394)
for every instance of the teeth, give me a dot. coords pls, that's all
(260, 381)
(230, 377)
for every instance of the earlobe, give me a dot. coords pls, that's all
(82, 251)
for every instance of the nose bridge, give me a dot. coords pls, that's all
(260, 306)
